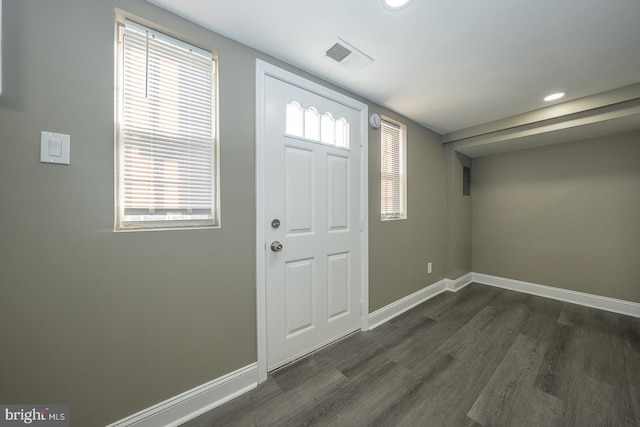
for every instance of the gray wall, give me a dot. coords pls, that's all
(400, 250)
(110, 323)
(114, 323)
(566, 215)
(458, 216)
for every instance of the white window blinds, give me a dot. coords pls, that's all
(166, 174)
(392, 171)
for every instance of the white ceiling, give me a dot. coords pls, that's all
(446, 64)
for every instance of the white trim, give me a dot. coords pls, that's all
(395, 309)
(261, 268)
(192, 403)
(456, 284)
(264, 69)
(596, 301)
(364, 207)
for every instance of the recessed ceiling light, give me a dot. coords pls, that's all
(396, 4)
(554, 96)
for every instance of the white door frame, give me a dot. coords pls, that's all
(264, 70)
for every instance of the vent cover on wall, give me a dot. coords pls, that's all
(351, 57)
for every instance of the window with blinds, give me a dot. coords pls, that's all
(165, 141)
(393, 177)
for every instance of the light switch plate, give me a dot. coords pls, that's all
(55, 148)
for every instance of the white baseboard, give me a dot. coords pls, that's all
(603, 303)
(456, 284)
(395, 309)
(188, 405)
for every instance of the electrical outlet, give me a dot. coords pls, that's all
(429, 268)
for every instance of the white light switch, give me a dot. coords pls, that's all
(55, 148)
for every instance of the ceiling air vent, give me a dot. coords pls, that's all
(349, 56)
(338, 52)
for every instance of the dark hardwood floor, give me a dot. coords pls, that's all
(479, 357)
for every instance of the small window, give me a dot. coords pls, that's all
(328, 129)
(393, 171)
(166, 174)
(311, 125)
(295, 119)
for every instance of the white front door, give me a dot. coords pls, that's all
(313, 219)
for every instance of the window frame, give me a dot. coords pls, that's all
(166, 222)
(1, 47)
(296, 126)
(402, 170)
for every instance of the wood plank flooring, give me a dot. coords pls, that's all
(479, 357)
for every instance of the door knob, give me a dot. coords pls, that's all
(276, 246)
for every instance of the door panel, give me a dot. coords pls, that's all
(338, 192)
(298, 176)
(312, 185)
(338, 286)
(299, 296)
